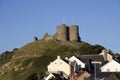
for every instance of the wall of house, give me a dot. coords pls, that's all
(106, 55)
(59, 65)
(109, 57)
(73, 58)
(111, 66)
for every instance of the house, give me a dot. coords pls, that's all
(93, 60)
(79, 63)
(82, 75)
(103, 76)
(53, 75)
(111, 66)
(60, 65)
(50, 76)
(106, 55)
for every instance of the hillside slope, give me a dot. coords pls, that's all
(33, 58)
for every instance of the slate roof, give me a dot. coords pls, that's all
(92, 58)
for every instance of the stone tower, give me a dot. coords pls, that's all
(74, 33)
(62, 33)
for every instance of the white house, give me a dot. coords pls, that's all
(111, 66)
(54, 75)
(50, 76)
(106, 55)
(59, 65)
(78, 61)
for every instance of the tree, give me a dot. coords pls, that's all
(98, 48)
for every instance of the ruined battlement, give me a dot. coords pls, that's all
(74, 33)
(65, 33)
(62, 32)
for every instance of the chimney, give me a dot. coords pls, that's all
(105, 54)
(58, 57)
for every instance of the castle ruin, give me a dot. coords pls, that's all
(74, 33)
(65, 33)
(62, 33)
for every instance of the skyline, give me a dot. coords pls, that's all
(98, 21)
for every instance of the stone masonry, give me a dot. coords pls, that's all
(66, 33)
(62, 33)
(74, 33)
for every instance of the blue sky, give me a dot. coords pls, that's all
(21, 20)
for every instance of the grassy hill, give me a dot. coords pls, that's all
(31, 60)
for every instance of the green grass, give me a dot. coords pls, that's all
(25, 63)
(47, 51)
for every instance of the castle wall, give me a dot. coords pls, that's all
(65, 33)
(74, 33)
(47, 37)
(62, 33)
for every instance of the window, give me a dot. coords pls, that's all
(108, 70)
